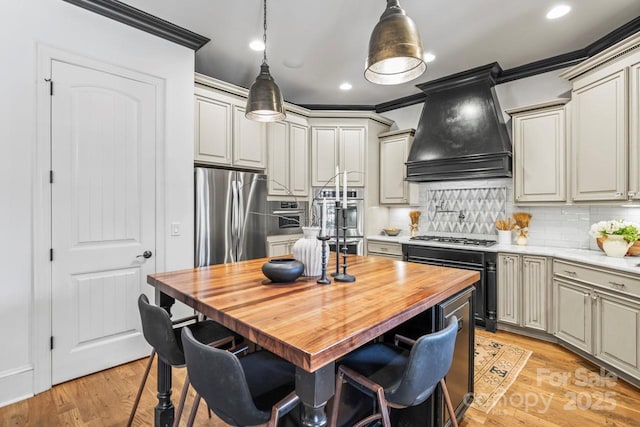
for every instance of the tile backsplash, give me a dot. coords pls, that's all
(484, 201)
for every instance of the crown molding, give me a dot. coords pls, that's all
(144, 21)
(539, 106)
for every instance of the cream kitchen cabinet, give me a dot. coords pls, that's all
(523, 281)
(598, 311)
(288, 157)
(604, 121)
(281, 245)
(223, 135)
(385, 249)
(539, 152)
(342, 146)
(394, 151)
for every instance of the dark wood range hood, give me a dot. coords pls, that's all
(461, 133)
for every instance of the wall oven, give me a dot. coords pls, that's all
(286, 217)
(354, 216)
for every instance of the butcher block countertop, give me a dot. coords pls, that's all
(309, 324)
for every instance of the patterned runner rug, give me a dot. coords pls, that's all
(497, 365)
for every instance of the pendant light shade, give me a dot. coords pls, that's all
(265, 102)
(395, 48)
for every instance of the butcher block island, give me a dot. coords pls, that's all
(313, 325)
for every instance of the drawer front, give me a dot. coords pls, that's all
(384, 248)
(608, 279)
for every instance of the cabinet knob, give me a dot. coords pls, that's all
(631, 193)
(618, 194)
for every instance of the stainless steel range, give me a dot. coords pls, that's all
(478, 260)
(455, 240)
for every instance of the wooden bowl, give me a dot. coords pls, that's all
(634, 250)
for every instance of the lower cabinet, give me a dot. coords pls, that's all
(523, 281)
(598, 311)
(281, 245)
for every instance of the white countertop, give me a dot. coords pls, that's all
(586, 256)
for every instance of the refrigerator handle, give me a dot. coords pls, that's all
(240, 221)
(234, 220)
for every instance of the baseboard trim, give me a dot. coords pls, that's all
(16, 385)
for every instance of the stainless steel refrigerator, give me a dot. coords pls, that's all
(231, 211)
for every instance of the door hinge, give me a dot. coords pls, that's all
(51, 342)
(50, 177)
(51, 254)
(50, 86)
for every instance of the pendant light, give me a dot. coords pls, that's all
(265, 102)
(395, 48)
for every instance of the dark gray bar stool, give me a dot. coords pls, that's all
(253, 390)
(397, 378)
(161, 333)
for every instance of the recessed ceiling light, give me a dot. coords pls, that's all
(428, 57)
(257, 45)
(345, 86)
(558, 11)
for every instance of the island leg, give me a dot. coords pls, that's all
(164, 410)
(314, 390)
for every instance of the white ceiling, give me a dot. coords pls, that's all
(327, 40)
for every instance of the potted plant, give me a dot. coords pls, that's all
(615, 236)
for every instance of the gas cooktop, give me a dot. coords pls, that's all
(456, 240)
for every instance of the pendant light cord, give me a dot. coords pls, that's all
(264, 34)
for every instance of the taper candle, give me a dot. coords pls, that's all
(344, 189)
(337, 179)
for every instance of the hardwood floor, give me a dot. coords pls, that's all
(548, 392)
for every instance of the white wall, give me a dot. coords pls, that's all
(24, 25)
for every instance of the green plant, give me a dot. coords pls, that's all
(626, 229)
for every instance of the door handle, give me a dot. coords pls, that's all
(145, 255)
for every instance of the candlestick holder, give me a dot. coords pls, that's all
(337, 224)
(343, 277)
(323, 280)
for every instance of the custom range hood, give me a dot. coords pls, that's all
(461, 133)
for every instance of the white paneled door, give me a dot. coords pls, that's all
(103, 141)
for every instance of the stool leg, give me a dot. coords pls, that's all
(447, 400)
(333, 422)
(144, 380)
(194, 410)
(183, 398)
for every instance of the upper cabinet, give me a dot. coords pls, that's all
(338, 145)
(604, 121)
(288, 157)
(394, 151)
(223, 135)
(539, 152)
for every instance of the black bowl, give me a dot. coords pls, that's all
(282, 270)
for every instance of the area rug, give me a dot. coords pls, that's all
(496, 365)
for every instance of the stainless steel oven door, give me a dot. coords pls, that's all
(284, 220)
(353, 215)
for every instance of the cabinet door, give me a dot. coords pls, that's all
(617, 329)
(509, 289)
(572, 314)
(534, 292)
(278, 248)
(298, 159)
(352, 154)
(324, 155)
(539, 156)
(393, 155)
(634, 131)
(212, 131)
(249, 141)
(599, 138)
(278, 159)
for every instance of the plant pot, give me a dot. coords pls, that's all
(505, 237)
(615, 246)
(308, 250)
(634, 250)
